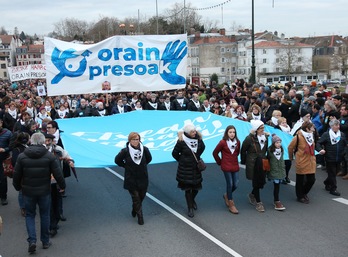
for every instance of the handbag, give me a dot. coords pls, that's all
(8, 167)
(266, 165)
(201, 166)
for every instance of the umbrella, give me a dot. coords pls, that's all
(74, 172)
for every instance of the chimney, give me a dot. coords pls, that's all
(223, 32)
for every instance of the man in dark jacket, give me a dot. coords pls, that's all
(32, 175)
(334, 143)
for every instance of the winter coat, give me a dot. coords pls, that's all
(33, 171)
(228, 161)
(333, 152)
(251, 149)
(305, 162)
(5, 138)
(187, 171)
(277, 166)
(135, 176)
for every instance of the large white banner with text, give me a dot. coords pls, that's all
(33, 71)
(117, 64)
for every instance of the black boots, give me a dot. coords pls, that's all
(189, 201)
(140, 217)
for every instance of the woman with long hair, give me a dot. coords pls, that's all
(229, 148)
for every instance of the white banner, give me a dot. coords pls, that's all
(33, 71)
(117, 64)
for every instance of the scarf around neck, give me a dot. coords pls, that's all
(232, 145)
(334, 137)
(191, 143)
(136, 154)
(308, 137)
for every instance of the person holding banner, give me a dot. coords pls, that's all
(134, 158)
(186, 152)
(254, 149)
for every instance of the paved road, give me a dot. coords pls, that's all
(99, 221)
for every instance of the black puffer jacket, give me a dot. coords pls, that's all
(33, 171)
(333, 152)
(187, 165)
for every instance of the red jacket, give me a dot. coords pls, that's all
(228, 161)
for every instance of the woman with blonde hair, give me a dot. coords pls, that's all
(186, 152)
(134, 158)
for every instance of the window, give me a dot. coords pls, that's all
(264, 60)
(264, 51)
(299, 59)
(222, 70)
(264, 70)
(222, 49)
(3, 66)
(277, 51)
(234, 50)
(223, 60)
(277, 70)
(277, 60)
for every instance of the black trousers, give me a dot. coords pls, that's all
(54, 214)
(3, 183)
(304, 183)
(332, 169)
(137, 199)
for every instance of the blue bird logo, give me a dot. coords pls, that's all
(59, 59)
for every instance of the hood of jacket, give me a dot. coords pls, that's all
(35, 151)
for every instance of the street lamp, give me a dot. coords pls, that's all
(252, 78)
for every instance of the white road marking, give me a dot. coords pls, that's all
(188, 222)
(341, 200)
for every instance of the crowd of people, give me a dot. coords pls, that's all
(315, 116)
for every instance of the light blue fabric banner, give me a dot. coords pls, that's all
(94, 141)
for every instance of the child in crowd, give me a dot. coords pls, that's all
(229, 147)
(277, 173)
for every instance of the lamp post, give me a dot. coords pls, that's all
(252, 78)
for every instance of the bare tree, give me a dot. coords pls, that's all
(290, 60)
(71, 28)
(3, 31)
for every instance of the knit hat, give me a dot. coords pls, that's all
(303, 112)
(275, 138)
(189, 127)
(255, 124)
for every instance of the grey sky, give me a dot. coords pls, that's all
(291, 17)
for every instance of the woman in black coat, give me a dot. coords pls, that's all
(186, 152)
(134, 158)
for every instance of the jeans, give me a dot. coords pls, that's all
(232, 180)
(21, 199)
(44, 203)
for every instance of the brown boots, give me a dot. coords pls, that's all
(231, 207)
(345, 176)
(230, 204)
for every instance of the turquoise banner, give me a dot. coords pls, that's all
(94, 141)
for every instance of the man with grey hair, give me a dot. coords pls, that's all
(32, 175)
(329, 114)
(332, 144)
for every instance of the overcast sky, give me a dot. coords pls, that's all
(291, 17)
